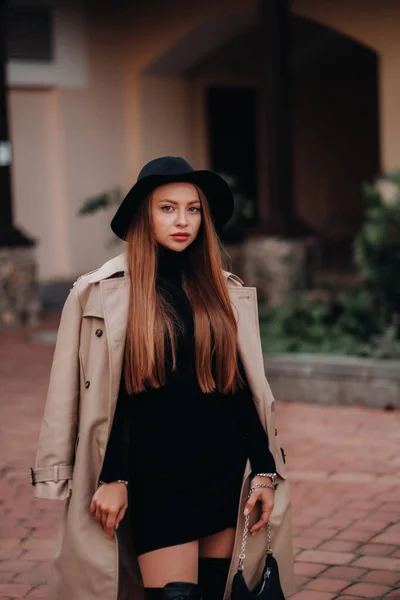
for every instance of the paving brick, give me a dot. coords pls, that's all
(338, 546)
(34, 577)
(394, 595)
(378, 562)
(367, 590)
(342, 572)
(37, 593)
(300, 581)
(14, 590)
(326, 558)
(300, 542)
(310, 569)
(333, 522)
(376, 549)
(37, 543)
(312, 595)
(10, 553)
(38, 554)
(354, 535)
(318, 533)
(325, 584)
(367, 525)
(303, 520)
(385, 577)
(7, 577)
(9, 543)
(389, 537)
(17, 565)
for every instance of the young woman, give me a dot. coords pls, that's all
(179, 424)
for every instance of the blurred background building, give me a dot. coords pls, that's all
(96, 89)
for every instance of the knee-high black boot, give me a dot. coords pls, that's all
(174, 590)
(213, 573)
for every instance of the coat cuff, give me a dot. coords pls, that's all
(49, 490)
(53, 483)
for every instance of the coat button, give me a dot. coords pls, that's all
(87, 383)
(99, 332)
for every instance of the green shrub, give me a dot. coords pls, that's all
(361, 322)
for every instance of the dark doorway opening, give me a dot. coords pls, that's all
(231, 114)
(336, 134)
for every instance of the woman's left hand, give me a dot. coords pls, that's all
(267, 497)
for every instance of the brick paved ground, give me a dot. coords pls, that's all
(344, 467)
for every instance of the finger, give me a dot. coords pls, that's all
(110, 524)
(120, 515)
(98, 513)
(265, 515)
(92, 507)
(104, 517)
(251, 502)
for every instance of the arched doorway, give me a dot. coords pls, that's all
(205, 82)
(335, 124)
(336, 133)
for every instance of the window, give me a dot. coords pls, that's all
(30, 33)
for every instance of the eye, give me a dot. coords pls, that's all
(166, 206)
(196, 208)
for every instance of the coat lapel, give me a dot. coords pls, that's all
(115, 299)
(244, 301)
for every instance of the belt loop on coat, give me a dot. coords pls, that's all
(56, 477)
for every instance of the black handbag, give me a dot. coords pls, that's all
(269, 586)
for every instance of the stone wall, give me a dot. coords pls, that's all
(273, 265)
(19, 298)
(334, 380)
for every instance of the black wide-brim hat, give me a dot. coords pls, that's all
(168, 169)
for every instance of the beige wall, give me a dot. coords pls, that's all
(40, 203)
(165, 117)
(70, 143)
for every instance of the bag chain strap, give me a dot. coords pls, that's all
(242, 554)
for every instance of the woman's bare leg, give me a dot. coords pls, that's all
(218, 545)
(175, 563)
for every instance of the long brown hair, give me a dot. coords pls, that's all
(151, 318)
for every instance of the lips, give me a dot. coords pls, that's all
(181, 235)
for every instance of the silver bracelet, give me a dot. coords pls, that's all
(272, 476)
(116, 481)
(262, 485)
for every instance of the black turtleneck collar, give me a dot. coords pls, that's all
(171, 263)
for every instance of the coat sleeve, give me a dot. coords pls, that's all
(257, 443)
(116, 464)
(55, 456)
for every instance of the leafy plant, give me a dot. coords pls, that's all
(377, 245)
(102, 201)
(244, 212)
(361, 322)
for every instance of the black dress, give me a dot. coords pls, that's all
(187, 450)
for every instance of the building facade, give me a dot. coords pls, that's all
(146, 79)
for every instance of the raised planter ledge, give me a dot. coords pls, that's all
(334, 380)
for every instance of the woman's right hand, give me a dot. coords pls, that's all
(109, 505)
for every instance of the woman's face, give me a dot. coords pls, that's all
(176, 209)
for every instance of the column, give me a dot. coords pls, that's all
(9, 235)
(277, 211)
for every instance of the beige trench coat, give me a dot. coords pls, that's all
(82, 394)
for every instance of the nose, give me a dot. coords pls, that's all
(181, 217)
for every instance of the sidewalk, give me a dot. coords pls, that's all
(344, 468)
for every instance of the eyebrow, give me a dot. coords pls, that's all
(175, 202)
